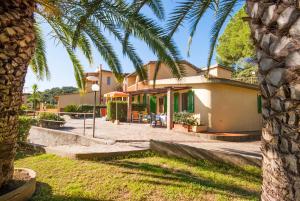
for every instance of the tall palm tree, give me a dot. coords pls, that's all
(275, 27)
(35, 97)
(75, 24)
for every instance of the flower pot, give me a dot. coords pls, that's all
(25, 191)
(182, 128)
(199, 129)
(51, 124)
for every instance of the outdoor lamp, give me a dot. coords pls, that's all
(95, 87)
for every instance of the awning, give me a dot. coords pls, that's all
(115, 94)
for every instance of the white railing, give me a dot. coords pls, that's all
(250, 80)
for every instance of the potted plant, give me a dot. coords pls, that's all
(198, 128)
(50, 120)
(184, 121)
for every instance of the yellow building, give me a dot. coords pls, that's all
(221, 103)
(108, 82)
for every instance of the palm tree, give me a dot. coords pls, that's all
(275, 27)
(75, 24)
(35, 97)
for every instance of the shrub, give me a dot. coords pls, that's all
(185, 118)
(50, 120)
(84, 109)
(50, 116)
(23, 108)
(71, 108)
(25, 124)
(122, 110)
(51, 106)
(138, 107)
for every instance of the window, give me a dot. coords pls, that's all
(161, 105)
(108, 81)
(187, 101)
(184, 102)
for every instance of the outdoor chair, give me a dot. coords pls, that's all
(145, 117)
(135, 117)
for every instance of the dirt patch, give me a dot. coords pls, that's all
(19, 179)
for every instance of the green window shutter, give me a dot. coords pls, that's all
(176, 102)
(191, 107)
(145, 99)
(153, 104)
(139, 99)
(165, 104)
(259, 104)
(132, 99)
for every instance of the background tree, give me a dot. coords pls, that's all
(48, 96)
(275, 29)
(235, 44)
(75, 24)
(235, 49)
(35, 97)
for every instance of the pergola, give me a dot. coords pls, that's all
(115, 94)
(170, 102)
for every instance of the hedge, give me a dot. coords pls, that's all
(122, 110)
(25, 124)
(184, 118)
(84, 109)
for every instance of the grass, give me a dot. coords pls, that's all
(143, 178)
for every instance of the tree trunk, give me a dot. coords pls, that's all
(275, 27)
(17, 41)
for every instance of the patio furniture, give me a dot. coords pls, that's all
(155, 120)
(163, 119)
(145, 117)
(135, 117)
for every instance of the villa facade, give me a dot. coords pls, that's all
(221, 103)
(108, 82)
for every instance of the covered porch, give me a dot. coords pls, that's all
(162, 102)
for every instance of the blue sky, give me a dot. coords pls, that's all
(61, 67)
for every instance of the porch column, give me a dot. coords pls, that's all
(129, 107)
(170, 107)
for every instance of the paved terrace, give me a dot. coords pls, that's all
(143, 133)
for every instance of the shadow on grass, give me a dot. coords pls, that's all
(182, 178)
(26, 150)
(44, 193)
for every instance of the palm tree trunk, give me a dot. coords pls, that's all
(17, 41)
(275, 27)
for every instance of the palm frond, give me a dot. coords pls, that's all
(225, 9)
(194, 16)
(156, 7)
(78, 69)
(38, 62)
(179, 15)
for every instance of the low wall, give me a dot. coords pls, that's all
(188, 152)
(50, 137)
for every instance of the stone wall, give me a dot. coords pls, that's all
(188, 152)
(50, 137)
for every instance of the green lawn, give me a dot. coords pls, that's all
(144, 178)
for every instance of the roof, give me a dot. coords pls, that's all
(181, 61)
(218, 66)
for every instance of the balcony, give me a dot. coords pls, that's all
(249, 80)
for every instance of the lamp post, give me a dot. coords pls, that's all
(95, 88)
